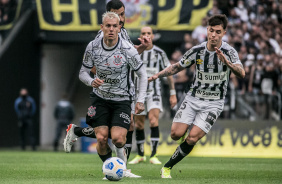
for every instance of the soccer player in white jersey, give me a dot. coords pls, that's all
(155, 60)
(214, 60)
(73, 131)
(113, 88)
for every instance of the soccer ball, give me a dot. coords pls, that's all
(113, 168)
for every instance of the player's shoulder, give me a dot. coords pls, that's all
(227, 47)
(158, 49)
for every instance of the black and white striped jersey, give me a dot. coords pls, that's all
(211, 76)
(155, 60)
(113, 66)
(123, 34)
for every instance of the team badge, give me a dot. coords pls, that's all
(91, 111)
(117, 60)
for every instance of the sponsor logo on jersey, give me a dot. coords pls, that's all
(102, 74)
(199, 61)
(211, 118)
(111, 81)
(117, 60)
(211, 66)
(105, 94)
(88, 131)
(91, 111)
(126, 117)
(214, 78)
(207, 94)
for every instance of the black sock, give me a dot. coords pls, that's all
(128, 144)
(105, 157)
(155, 137)
(181, 151)
(88, 132)
(140, 139)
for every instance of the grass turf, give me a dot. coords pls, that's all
(50, 167)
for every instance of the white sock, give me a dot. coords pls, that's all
(121, 153)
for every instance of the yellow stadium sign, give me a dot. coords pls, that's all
(231, 142)
(77, 15)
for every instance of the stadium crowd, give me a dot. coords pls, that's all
(255, 31)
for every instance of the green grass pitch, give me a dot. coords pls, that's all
(59, 168)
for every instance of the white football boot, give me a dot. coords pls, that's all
(70, 138)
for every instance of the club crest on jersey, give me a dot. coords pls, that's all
(117, 60)
(199, 61)
(91, 111)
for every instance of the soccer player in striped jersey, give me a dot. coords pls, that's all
(155, 60)
(214, 60)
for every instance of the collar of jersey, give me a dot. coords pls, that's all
(109, 49)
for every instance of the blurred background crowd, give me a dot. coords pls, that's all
(255, 31)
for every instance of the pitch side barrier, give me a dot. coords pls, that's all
(227, 138)
(238, 138)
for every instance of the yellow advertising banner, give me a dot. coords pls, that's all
(165, 15)
(231, 142)
(9, 13)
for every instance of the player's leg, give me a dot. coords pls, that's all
(140, 139)
(155, 134)
(103, 149)
(204, 115)
(120, 125)
(128, 144)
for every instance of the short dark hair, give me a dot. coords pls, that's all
(114, 4)
(219, 19)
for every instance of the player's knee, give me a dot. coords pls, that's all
(131, 127)
(154, 122)
(103, 140)
(119, 141)
(175, 135)
(139, 125)
(192, 140)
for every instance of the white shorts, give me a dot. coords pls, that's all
(201, 113)
(151, 102)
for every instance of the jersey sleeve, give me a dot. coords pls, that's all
(164, 61)
(188, 59)
(134, 60)
(233, 56)
(87, 58)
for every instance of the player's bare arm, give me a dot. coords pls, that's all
(237, 69)
(139, 107)
(144, 44)
(172, 98)
(173, 69)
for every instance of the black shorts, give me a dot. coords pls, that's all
(108, 113)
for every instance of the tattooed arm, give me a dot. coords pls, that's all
(237, 69)
(173, 69)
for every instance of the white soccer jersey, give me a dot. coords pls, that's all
(155, 60)
(211, 75)
(113, 66)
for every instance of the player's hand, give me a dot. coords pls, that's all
(97, 82)
(154, 77)
(145, 41)
(139, 107)
(220, 55)
(93, 70)
(172, 101)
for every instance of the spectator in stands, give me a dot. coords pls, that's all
(64, 114)
(199, 34)
(25, 108)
